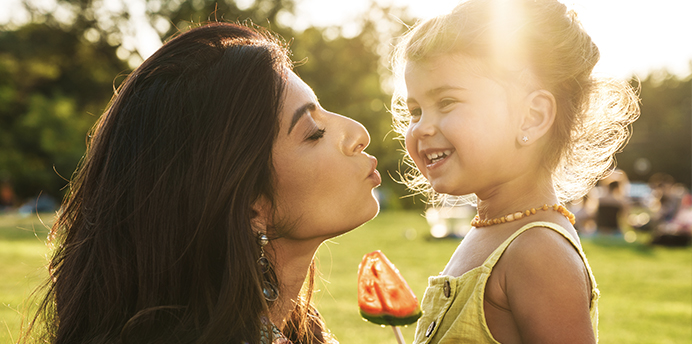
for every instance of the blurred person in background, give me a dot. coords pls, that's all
(672, 211)
(612, 209)
(7, 196)
(667, 196)
(585, 213)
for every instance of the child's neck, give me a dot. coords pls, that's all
(516, 196)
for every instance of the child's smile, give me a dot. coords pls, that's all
(435, 157)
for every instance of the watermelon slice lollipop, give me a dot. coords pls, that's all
(384, 297)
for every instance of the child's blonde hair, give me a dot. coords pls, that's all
(554, 52)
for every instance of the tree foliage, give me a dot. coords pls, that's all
(58, 72)
(53, 84)
(662, 136)
(48, 122)
(120, 22)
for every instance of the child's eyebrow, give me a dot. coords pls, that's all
(435, 91)
(438, 90)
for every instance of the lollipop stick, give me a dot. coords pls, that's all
(397, 334)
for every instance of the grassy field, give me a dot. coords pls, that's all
(23, 259)
(646, 292)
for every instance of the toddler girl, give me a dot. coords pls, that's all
(500, 102)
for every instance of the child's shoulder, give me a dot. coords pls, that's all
(541, 243)
(542, 275)
(544, 254)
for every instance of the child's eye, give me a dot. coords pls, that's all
(415, 114)
(318, 134)
(446, 102)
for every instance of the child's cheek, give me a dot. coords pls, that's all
(411, 148)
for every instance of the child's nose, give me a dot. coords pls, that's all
(424, 127)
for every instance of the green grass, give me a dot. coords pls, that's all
(646, 292)
(23, 253)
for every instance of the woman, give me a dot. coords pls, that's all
(208, 185)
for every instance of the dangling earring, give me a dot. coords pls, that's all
(525, 138)
(263, 261)
(269, 290)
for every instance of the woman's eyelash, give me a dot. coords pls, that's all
(318, 134)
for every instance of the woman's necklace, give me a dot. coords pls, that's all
(477, 222)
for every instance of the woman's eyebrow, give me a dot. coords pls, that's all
(300, 112)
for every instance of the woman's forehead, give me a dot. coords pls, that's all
(297, 95)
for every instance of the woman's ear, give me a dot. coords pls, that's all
(539, 117)
(261, 211)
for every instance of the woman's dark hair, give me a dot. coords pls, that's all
(154, 243)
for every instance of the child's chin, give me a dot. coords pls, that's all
(448, 190)
(444, 189)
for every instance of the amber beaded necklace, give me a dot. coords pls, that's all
(477, 222)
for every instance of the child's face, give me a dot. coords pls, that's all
(463, 131)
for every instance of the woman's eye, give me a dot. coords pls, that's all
(415, 114)
(318, 134)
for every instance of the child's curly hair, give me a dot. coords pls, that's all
(552, 50)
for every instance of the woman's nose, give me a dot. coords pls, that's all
(355, 137)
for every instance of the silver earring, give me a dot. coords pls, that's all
(269, 290)
(263, 261)
(525, 139)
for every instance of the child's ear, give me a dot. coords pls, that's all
(539, 116)
(261, 213)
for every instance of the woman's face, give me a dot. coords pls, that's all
(324, 179)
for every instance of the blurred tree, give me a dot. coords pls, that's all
(662, 136)
(57, 74)
(49, 118)
(52, 84)
(135, 26)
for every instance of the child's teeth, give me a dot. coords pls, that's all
(435, 157)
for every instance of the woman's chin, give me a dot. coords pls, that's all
(375, 205)
(372, 209)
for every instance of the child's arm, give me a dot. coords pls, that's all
(547, 289)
